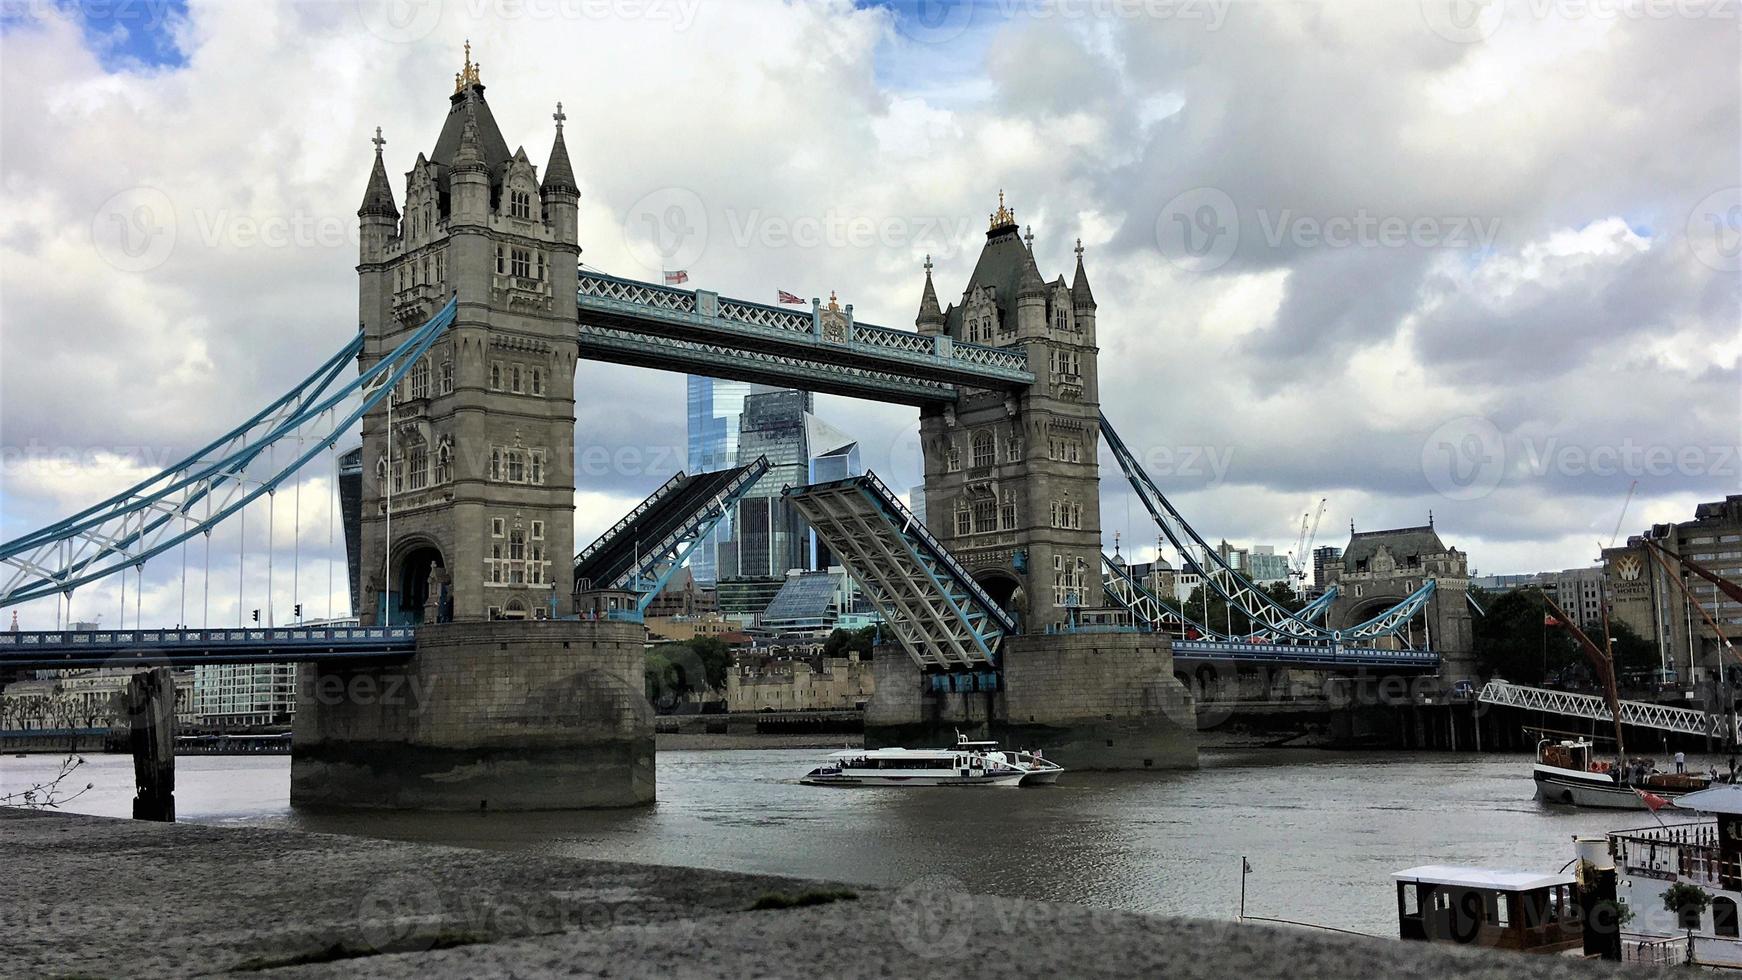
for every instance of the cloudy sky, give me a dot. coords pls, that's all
(1478, 259)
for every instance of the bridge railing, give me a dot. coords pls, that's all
(1305, 653)
(287, 636)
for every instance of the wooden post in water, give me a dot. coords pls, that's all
(151, 711)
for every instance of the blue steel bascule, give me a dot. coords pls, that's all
(943, 611)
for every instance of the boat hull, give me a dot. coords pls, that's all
(1014, 778)
(1598, 790)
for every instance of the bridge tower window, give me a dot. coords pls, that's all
(1007, 512)
(420, 379)
(520, 204)
(953, 459)
(495, 375)
(520, 263)
(447, 377)
(537, 381)
(501, 260)
(962, 518)
(985, 449)
(985, 515)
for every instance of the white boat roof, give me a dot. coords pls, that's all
(1724, 798)
(1489, 878)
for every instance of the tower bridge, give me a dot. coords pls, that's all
(473, 312)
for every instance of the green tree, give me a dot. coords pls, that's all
(1687, 902)
(1632, 651)
(860, 641)
(1514, 640)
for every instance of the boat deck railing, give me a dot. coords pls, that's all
(1653, 950)
(1689, 851)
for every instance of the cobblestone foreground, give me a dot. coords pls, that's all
(90, 896)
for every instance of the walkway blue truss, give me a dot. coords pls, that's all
(626, 321)
(642, 551)
(1307, 656)
(929, 602)
(198, 493)
(176, 648)
(1161, 616)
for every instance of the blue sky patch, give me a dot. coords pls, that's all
(124, 34)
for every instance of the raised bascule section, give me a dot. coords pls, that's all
(941, 617)
(1006, 619)
(641, 552)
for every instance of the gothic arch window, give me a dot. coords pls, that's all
(953, 459)
(514, 380)
(962, 516)
(1013, 448)
(501, 260)
(495, 375)
(517, 545)
(1061, 320)
(447, 377)
(537, 381)
(420, 379)
(444, 465)
(985, 449)
(1007, 512)
(520, 204)
(540, 255)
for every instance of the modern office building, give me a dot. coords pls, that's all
(834, 455)
(1656, 601)
(1577, 590)
(768, 537)
(1323, 555)
(715, 411)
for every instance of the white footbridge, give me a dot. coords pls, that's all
(1640, 714)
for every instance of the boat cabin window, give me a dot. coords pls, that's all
(1724, 917)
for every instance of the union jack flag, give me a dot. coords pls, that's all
(786, 297)
(677, 278)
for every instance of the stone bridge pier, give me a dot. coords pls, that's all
(486, 716)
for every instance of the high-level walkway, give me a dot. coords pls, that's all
(626, 321)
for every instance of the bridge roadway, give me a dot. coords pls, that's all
(626, 321)
(177, 648)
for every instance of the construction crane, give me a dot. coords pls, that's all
(1304, 544)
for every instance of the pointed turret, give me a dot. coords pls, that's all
(378, 196)
(1081, 297)
(1030, 283)
(931, 319)
(558, 174)
(470, 155)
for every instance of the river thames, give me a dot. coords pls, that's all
(1323, 831)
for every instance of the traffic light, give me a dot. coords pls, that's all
(298, 612)
(257, 615)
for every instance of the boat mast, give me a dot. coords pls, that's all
(1603, 660)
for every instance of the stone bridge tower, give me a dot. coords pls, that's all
(1379, 569)
(1011, 480)
(479, 478)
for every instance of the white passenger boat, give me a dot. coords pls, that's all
(969, 763)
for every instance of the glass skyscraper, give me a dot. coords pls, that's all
(715, 407)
